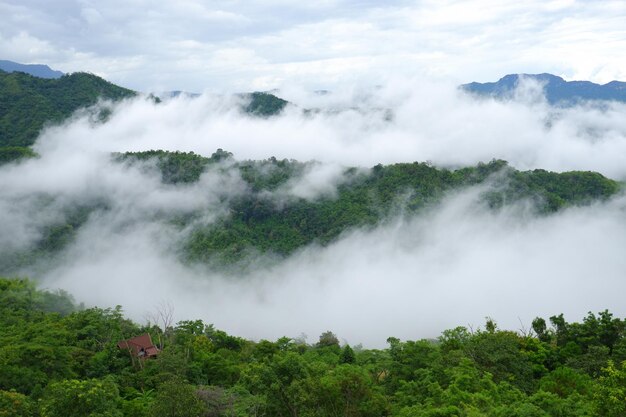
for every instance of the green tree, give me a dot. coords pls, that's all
(347, 355)
(610, 396)
(348, 391)
(176, 398)
(328, 339)
(14, 404)
(565, 381)
(541, 329)
(500, 353)
(88, 398)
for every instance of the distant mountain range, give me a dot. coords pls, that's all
(37, 70)
(558, 92)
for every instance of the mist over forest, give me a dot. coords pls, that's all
(312, 209)
(97, 215)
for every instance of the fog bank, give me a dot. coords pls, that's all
(408, 277)
(402, 121)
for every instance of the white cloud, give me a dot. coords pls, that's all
(24, 47)
(321, 45)
(409, 278)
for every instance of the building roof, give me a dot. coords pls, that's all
(140, 345)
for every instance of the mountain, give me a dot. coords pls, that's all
(37, 70)
(258, 103)
(556, 89)
(264, 104)
(27, 102)
(266, 219)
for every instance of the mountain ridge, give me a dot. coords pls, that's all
(36, 70)
(557, 90)
(28, 102)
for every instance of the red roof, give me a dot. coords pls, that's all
(140, 345)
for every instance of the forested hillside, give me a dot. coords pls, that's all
(264, 104)
(27, 103)
(57, 359)
(219, 226)
(262, 221)
(266, 217)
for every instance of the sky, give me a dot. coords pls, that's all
(237, 45)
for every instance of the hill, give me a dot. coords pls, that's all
(27, 103)
(263, 104)
(557, 90)
(267, 219)
(37, 70)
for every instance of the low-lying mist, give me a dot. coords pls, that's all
(409, 277)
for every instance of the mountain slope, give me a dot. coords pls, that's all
(27, 103)
(264, 217)
(264, 104)
(557, 90)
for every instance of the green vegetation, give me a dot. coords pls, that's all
(28, 103)
(261, 222)
(57, 359)
(15, 153)
(264, 218)
(53, 237)
(264, 104)
(175, 167)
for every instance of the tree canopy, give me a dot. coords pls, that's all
(58, 359)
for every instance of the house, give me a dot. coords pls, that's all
(140, 346)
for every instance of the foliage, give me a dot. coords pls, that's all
(258, 215)
(176, 398)
(86, 398)
(347, 355)
(264, 104)
(279, 225)
(175, 167)
(610, 395)
(15, 153)
(55, 361)
(28, 103)
(14, 404)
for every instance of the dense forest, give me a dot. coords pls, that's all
(29, 103)
(61, 359)
(265, 218)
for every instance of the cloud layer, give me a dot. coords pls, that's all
(237, 45)
(409, 277)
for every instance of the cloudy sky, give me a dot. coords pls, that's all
(235, 45)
